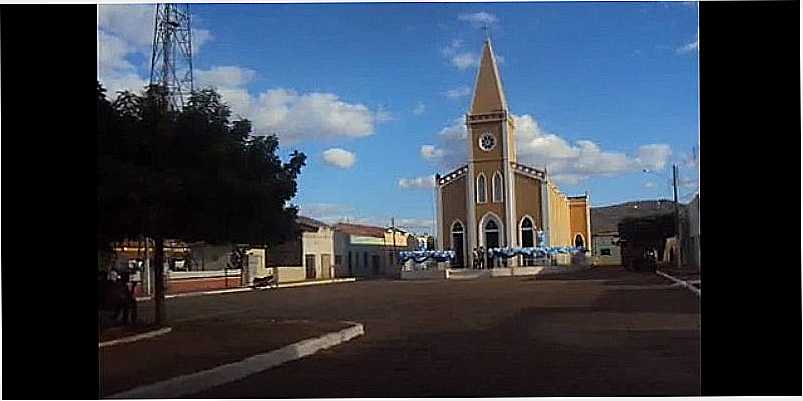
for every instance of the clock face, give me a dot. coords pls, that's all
(487, 141)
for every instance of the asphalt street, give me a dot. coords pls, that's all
(601, 332)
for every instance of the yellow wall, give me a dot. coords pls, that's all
(559, 218)
(579, 213)
(454, 209)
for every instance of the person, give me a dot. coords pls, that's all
(474, 258)
(481, 257)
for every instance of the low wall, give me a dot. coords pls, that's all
(423, 274)
(178, 286)
(289, 274)
(516, 271)
(178, 275)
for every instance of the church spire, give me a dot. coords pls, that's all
(488, 94)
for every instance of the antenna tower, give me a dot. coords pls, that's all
(171, 62)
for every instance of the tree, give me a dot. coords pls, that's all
(189, 174)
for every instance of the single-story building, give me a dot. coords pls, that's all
(370, 251)
(309, 256)
(605, 248)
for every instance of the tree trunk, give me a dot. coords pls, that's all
(158, 288)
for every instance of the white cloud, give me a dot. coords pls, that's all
(134, 22)
(419, 109)
(424, 182)
(690, 47)
(568, 163)
(292, 116)
(479, 19)
(339, 158)
(649, 184)
(224, 77)
(336, 213)
(458, 92)
(653, 157)
(452, 48)
(465, 60)
(432, 153)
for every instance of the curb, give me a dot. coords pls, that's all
(142, 336)
(244, 289)
(679, 281)
(194, 383)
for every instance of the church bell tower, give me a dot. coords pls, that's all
(491, 150)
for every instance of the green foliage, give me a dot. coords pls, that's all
(191, 174)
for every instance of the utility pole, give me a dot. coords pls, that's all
(393, 228)
(677, 215)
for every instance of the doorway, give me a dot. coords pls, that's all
(457, 245)
(375, 262)
(491, 240)
(326, 265)
(310, 262)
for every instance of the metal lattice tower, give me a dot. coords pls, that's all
(171, 62)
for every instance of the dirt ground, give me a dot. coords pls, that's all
(602, 332)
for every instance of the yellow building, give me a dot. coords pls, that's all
(494, 201)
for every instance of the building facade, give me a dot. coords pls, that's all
(308, 256)
(369, 251)
(692, 254)
(605, 248)
(495, 201)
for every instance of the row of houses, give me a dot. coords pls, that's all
(318, 251)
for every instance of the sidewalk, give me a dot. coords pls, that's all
(685, 273)
(197, 346)
(243, 289)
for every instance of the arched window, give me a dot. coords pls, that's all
(498, 187)
(457, 244)
(578, 241)
(481, 189)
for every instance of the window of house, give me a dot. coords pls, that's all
(481, 189)
(498, 187)
(338, 260)
(605, 252)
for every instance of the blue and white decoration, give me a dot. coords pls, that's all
(538, 252)
(507, 253)
(423, 256)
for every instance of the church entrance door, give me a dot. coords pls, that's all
(491, 240)
(457, 245)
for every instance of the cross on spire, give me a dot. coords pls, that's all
(486, 30)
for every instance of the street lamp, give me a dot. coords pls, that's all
(677, 212)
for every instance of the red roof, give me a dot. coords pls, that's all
(359, 229)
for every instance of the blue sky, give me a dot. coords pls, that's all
(600, 91)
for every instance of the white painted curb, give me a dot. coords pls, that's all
(137, 337)
(680, 282)
(244, 289)
(194, 383)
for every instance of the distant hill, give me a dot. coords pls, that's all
(607, 218)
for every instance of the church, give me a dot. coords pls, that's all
(495, 201)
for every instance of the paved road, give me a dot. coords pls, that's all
(600, 332)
